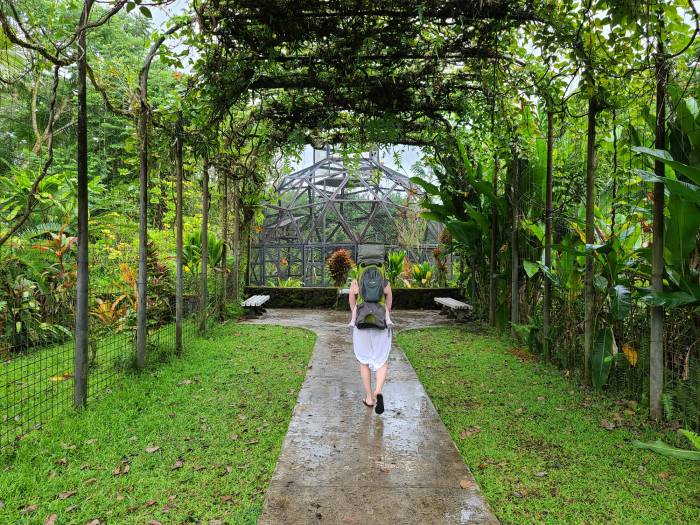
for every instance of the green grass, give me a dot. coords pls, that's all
(535, 442)
(219, 415)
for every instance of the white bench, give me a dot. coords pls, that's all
(454, 308)
(255, 303)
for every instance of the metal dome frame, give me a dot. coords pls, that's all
(338, 202)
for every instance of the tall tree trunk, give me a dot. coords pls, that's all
(590, 239)
(204, 294)
(547, 307)
(81, 364)
(224, 255)
(514, 254)
(179, 305)
(236, 243)
(656, 345)
(493, 292)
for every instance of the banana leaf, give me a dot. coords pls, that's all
(664, 449)
(602, 357)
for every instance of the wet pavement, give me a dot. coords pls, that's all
(343, 464)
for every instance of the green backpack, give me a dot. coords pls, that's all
(370, 300)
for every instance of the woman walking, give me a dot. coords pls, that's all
(370, 304)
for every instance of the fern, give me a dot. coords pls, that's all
(692, 437)
(667, 401)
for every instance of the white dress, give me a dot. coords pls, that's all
(372, 345)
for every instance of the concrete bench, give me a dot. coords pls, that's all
(255, 303)
(455, 309)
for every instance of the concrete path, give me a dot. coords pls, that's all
(343, 464)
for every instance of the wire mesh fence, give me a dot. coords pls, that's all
(37, 347)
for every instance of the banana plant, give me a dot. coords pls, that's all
(681, 232)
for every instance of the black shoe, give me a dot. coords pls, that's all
(366, 404)
(379, 405)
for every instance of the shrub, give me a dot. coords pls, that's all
(339, 264)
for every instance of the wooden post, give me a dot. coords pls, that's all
(514, 255)
(179, 306)
(656, 344)
(80, 372)
(547, 306)
(204, 293)
(590, 238)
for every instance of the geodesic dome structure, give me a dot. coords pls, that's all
(338, 203)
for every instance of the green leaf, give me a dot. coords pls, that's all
(667, 450)
(669, 300)
(429, 187)
(620, 302)
(602, 357)
(531, 268)
(145, 11)
(689, 192)
(681, 229)
(665, 157)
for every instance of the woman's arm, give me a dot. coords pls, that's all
(388, 297)
(352, 295)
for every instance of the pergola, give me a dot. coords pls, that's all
(338, 203)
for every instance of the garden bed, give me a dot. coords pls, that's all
(328, 297)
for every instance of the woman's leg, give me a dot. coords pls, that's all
(367, 382)
(381, 377)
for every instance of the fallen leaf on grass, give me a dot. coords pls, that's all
(154, 522)
(152, 449)
(664, 476)
(252, 442)
(29, 509)
(90, 481)
(234, 437)
(607, 425)
(66, 495)
(120, 497)
(151, 502)
(178, 464)
(467, 484)
(541, 474)
(93, 522)
(225, 499)
(185, 382)
(469, 432)
(51, 520)
(215, 522)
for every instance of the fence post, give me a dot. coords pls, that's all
(179, 310)
(656, 342)
(80, 372)
(224, 254)
(590, 239)
(514, 255)
(204, 293)
(236, 245)
(547, 306)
